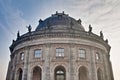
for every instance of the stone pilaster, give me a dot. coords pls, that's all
(107, 71)
(93, 65)
(26, 58)
(46, 75)
(71, 62)
(14, 67)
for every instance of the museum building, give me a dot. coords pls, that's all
(60, 49)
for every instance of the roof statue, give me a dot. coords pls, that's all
(29, 28)
(63, 12)
(79, 20)
(101, 34)
(18, 35)
(40, 21)
(106, 40)
(90, 29)
(56, 12)
(13, 40)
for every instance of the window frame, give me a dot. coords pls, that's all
(97, 56)
(80, 52)
(60, 52)
(36, 54)
(22, 56)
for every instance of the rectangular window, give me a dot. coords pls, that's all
(59, 52)
(22, 56)
(82, 53)
(97, 56)
(38, 53)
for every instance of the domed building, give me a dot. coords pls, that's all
(60, 49)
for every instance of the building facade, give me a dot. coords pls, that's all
(60, 49)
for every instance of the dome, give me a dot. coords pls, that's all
(60, 21)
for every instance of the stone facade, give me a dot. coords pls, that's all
(60, 51)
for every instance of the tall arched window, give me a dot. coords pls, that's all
(99, 74)
(60, 73)
(37, 73)
(20, 72)
(83, 73)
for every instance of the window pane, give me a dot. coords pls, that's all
(82, 53)
(22, 56)
(60, 52)
(38, 53)
(97, 56)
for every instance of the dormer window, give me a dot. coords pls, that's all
(59, 52)
(38, 53)
(82, 53)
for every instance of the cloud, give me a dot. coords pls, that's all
(101, 14)
(12, 17)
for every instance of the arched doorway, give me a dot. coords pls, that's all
(83, 73)
(99, 74)
(37, 73)
(60, 73)
(19, 73)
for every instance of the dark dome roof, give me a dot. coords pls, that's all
(60, 21)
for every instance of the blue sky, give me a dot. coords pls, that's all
(101, 14)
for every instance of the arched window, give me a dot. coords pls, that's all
(37, 73)
(99, 74)
(60, 73)
(20, 72)
(83, 73)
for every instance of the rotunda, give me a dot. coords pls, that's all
(60, 49)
